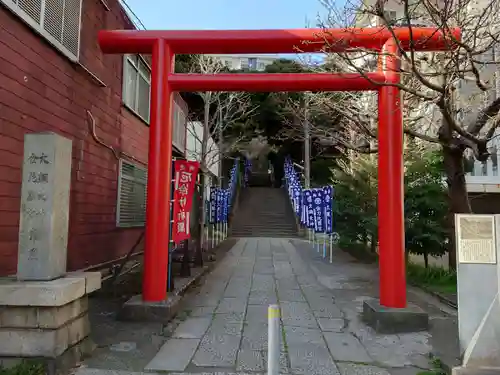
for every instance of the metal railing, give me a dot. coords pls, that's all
(485, 172)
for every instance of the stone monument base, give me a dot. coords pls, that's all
(47, 320)
(475, 371)
(390, 320)
(135, 309)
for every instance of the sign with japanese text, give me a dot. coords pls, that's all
(319, 215)
(44, 214)
(309, 208)
(303, 209)
(225, 207)
(328, 204)
(220, 203)
(184, 183)
(297, 199)
(213, 205)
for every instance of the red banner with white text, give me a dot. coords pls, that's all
(184, 183)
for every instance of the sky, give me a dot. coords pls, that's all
(226, 14)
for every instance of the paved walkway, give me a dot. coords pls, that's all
(224, 329)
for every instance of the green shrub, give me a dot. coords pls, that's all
(426, 208)
(355, 212)
(26, 367)
(425, 205)
(435, 278)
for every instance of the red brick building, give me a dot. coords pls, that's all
(53, 77)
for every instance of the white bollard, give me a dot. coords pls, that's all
(273, 344)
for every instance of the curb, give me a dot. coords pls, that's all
(439, 296)
(194, 279)
(206, 268)
(446, 364)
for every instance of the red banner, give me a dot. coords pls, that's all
(185, 180)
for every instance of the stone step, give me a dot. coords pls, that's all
(264, 225)
(290, 230)
(270, 235)
(264, 212)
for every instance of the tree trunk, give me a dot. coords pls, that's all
(457, 194)
(198, 259)
(203, 179)
(426, 260)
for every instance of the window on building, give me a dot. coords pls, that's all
(390, 17)
(58, 21)
(244, 64)
(131, 205)
(137, 85)
(252, 63)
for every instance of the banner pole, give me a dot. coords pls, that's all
(212, 239)
(324, 245)
(331, 248)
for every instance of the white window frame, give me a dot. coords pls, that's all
(127, 60)
(39, 28)
(119, 202)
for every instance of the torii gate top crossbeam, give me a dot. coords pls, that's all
(273, 41)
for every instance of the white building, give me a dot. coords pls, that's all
(484, 177)
(194, 136)
(247, 62)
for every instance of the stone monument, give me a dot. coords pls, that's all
(43, 227)
(44, 310)
(478, 280)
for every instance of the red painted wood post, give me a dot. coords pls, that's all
(159, 177)
(391, 229)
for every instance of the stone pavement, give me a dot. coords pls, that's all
(223, 328)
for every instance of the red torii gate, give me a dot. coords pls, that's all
(163, 45)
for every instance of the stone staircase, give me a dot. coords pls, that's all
(264, 212)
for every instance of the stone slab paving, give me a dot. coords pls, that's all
(224, 330)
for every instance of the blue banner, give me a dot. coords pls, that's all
(314, 207)
(225, 206)
(319, 214)
(213, 205)
(246, 172)
(328, 205)
(220, 202)
(309, 206)
(303, 209)
(297, 193)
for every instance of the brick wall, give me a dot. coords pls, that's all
(41, 90)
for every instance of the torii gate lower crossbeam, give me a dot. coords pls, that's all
(163, 45)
